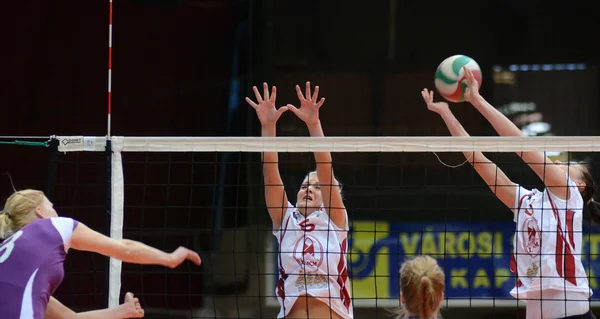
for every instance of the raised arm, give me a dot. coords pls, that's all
(130, 308)
(129, 251)
(275, 196)
(493, 176)
(330, 189)
(553, 177)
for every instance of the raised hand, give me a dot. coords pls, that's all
(437, 107)
(265, 106)
(472, 90)
(309, 107)
(181, 254)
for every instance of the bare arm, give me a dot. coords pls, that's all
(493, 176)
(130, 251)
(129, 309)
(332, 195)
(552, 176)
(57, 310)
(330, 189)
(275, 196)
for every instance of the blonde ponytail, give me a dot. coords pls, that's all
(19, 211)
(427, 305)
(422, 287)
(5, 226)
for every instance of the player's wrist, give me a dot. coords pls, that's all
(445, 112)
(268, 129)
(477, 100)
(313, 126)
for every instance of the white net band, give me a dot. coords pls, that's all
(333, 144)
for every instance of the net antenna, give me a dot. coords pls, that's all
(110, 18)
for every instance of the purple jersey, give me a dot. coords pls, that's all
(31, 266)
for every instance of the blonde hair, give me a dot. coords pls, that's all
(18, 209)
(422, 286)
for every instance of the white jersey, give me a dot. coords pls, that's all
(312, 261)
(547, 244)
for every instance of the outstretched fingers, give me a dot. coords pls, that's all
(265, 91)
(249, 101)
(299, 93)
(426, 96)
(273, 94)
(308, 96)
(315, 95)
(257, 94)
(321, 102)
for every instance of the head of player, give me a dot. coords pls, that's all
(581, 175)
(421, 288)
(310, 198)
(23, 207)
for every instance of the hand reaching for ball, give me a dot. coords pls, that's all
(437, 107)
(472, 91)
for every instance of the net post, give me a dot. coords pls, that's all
(108, 208)
(52, 168)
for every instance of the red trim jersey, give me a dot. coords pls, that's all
(312, 261)
(547, 243)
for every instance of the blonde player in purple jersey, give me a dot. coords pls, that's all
(548, 240)
(312, 236)
(32, 255)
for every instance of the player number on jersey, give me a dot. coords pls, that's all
(7, 247)
(305, 226)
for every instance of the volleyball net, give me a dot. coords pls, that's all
(404, 196)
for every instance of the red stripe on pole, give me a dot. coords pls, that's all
(109, 102)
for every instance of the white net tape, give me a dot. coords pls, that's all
(333, 144)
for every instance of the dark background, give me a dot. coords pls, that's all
(183, 67)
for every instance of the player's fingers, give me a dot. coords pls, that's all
(299, 92)
(281, 110)
(315, 95)
(249, 101)
(470, 77)
(308, 96)
(257, 94)
(426, 95)
(265, 91)
(321, 102)
(194, 257)
(273, 94)
(292, 108)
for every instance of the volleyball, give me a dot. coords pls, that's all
(450, 77)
